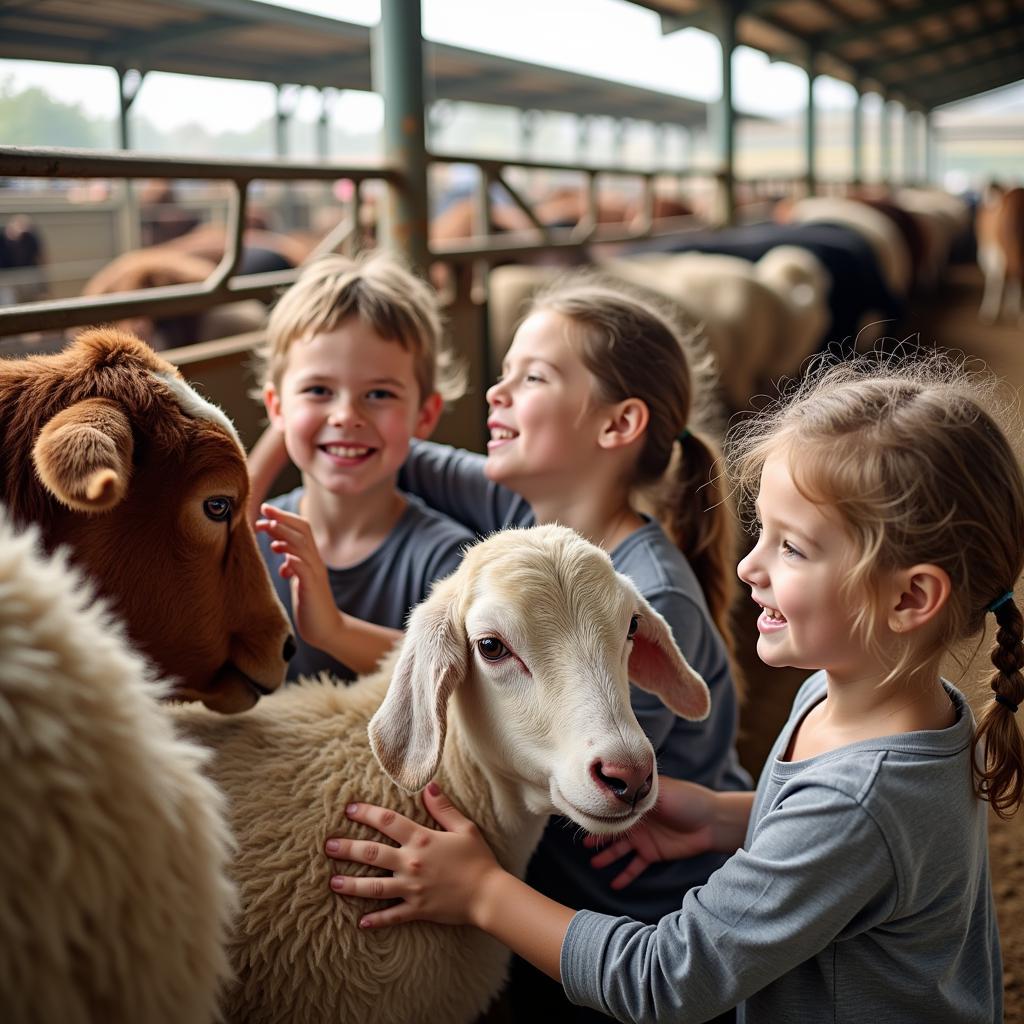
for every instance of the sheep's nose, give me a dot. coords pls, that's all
(628, 783)
(289, 648)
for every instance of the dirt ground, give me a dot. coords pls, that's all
(948, 320)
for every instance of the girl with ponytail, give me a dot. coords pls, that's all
(595, 404)
(888, 507)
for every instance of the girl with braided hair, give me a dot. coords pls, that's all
(889, 508)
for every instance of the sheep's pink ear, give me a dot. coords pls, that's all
(83, 456)
(408, 729)
(657, 665)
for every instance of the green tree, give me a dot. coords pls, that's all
(34, 118)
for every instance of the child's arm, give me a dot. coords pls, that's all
(355, 642)
(267, 457)
(819, 867)
(451, 877)
(452, 481)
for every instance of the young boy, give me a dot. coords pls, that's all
(354, 369)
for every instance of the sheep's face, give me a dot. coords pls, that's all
(537, 636)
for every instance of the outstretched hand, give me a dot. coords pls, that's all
(439, 876)
(681, 824)
(316, 614)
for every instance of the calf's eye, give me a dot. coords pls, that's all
(218, 509)
(492, 649)
(634, 625)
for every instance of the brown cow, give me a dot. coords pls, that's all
(110, 452)
(1000, 230)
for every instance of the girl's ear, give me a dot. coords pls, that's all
(627, 420)
(272, 400)
(919, 594)
(429, 414)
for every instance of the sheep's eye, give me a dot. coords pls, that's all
(492, 649)
(217, 509)
(634, 625)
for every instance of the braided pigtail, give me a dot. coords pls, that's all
(1001, 779)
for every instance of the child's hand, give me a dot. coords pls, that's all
(681, 824)
(317, 618)
(439, 876)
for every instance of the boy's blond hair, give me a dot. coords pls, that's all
(385, 295)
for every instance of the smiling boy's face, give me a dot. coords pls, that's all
(348, 404)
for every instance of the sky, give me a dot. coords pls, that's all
(541, 31)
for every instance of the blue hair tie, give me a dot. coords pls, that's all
(1000, 601)
(683, 435)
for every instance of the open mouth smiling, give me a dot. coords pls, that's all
(347, 451)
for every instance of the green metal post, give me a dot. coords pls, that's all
(929, 148)
(885, 141)
(911, 164)
(398, 77)
(810, 126)
(724, 26)
(857, 140)
(129, 82)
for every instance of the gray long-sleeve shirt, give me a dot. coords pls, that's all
(452, 480)
(422, 547)
(861, 896)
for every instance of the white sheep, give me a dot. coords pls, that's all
(739, 316)
(803, 284)
(511, 687)
(113, 886)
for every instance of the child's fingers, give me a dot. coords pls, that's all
(389, 823)
(290, 520)
(363, 851)
(443, 811)
(612, 853)
(633, 869)
(283, 532)
(398, 914)
(383, 887)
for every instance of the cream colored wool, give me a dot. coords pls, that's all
(114, 900)
(501, 741)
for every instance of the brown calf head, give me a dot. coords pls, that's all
(107, 448)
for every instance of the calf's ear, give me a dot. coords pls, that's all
(83, 455)
(657, 665)
(408, 729)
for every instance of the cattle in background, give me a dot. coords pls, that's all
(999, 225)
(189, 259)
(111, 453)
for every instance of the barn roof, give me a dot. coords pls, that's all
(247, 40)
(925, 53)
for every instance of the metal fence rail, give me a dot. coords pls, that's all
(225, 285)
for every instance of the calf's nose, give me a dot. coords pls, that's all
(289, 648)
(628, 783)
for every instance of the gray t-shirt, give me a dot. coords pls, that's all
(453, 481)
(861, 896)
(423, 546)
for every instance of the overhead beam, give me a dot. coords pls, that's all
(995, 64)
(941, 98)
(878, 68)
(132, 45)
(902, 19)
